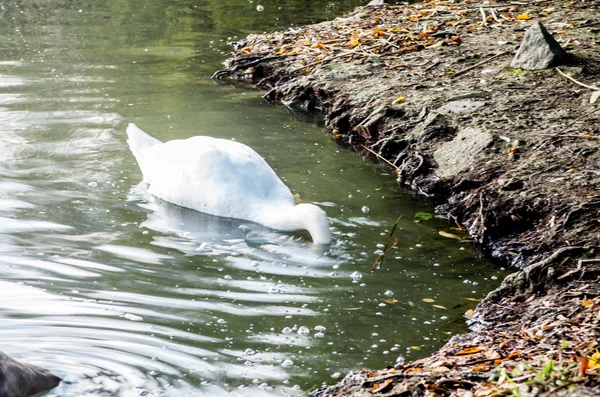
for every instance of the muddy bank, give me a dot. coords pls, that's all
(508, 155)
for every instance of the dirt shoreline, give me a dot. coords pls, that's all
(509, 156)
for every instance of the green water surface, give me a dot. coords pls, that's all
(124, 295)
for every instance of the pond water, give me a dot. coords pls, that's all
(123, 295)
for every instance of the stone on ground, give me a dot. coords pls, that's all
(539, 50)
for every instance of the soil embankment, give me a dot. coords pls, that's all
(510, 156)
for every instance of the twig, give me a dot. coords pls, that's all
(387, 246)
(591, 87)
(380, 157)
(481, 63)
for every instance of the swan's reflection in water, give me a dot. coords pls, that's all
(244, 244)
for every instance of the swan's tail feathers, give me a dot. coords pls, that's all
(138, 139)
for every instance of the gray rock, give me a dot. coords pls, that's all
(20, 380)
(539, 50)
(461, 153)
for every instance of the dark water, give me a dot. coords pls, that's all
(123, 295)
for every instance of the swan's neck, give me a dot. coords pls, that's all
(299, 217)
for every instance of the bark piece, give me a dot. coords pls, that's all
(539, 50)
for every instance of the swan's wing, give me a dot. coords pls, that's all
(215, 176)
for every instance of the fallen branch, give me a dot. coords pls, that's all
(481, 63)
(591, 87)
(387, 246)
(380, 157)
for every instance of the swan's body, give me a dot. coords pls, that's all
(224, 178)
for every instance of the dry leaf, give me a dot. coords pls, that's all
(379, 387)
(428, 300)
(523, 17)
(391, 301)
(449, 235)
(594, 360)
(469, 313)
(440, 307)
(470, 350)
(595, 96)
(587, 303)
(398, 100)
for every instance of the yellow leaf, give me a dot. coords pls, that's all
(449, 235)
(416, 347)
(391, 301)
(440, 307)
(594, 360)
(587, 303)
(398, 100)
(523, 17)
(428, 300)
(469, 313)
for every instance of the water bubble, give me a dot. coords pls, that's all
(303, 331)
(356, 276)
(365, 209)
(93, 184)
(287, 330)
(273, 290)
(287, 363)
(388, 293)
(204, 247)
(249, 352)
(260, 8)
(222, 321)
(320, 328)
(319, 335)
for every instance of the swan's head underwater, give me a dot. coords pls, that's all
(223, 178)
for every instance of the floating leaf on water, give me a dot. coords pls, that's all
(416, 347)
(352, 308)
(425, 216)
(391, 301)
(469, 313)
(428, 300)
(449, 235)
(474, 299)
(440, 307)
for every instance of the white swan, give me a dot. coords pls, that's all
(224, 178)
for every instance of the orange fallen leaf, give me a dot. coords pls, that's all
(379, 387)
(523, 17)
(470, 350)
(582, 364)
(587, 303)
(513, 354)
(480, 368)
